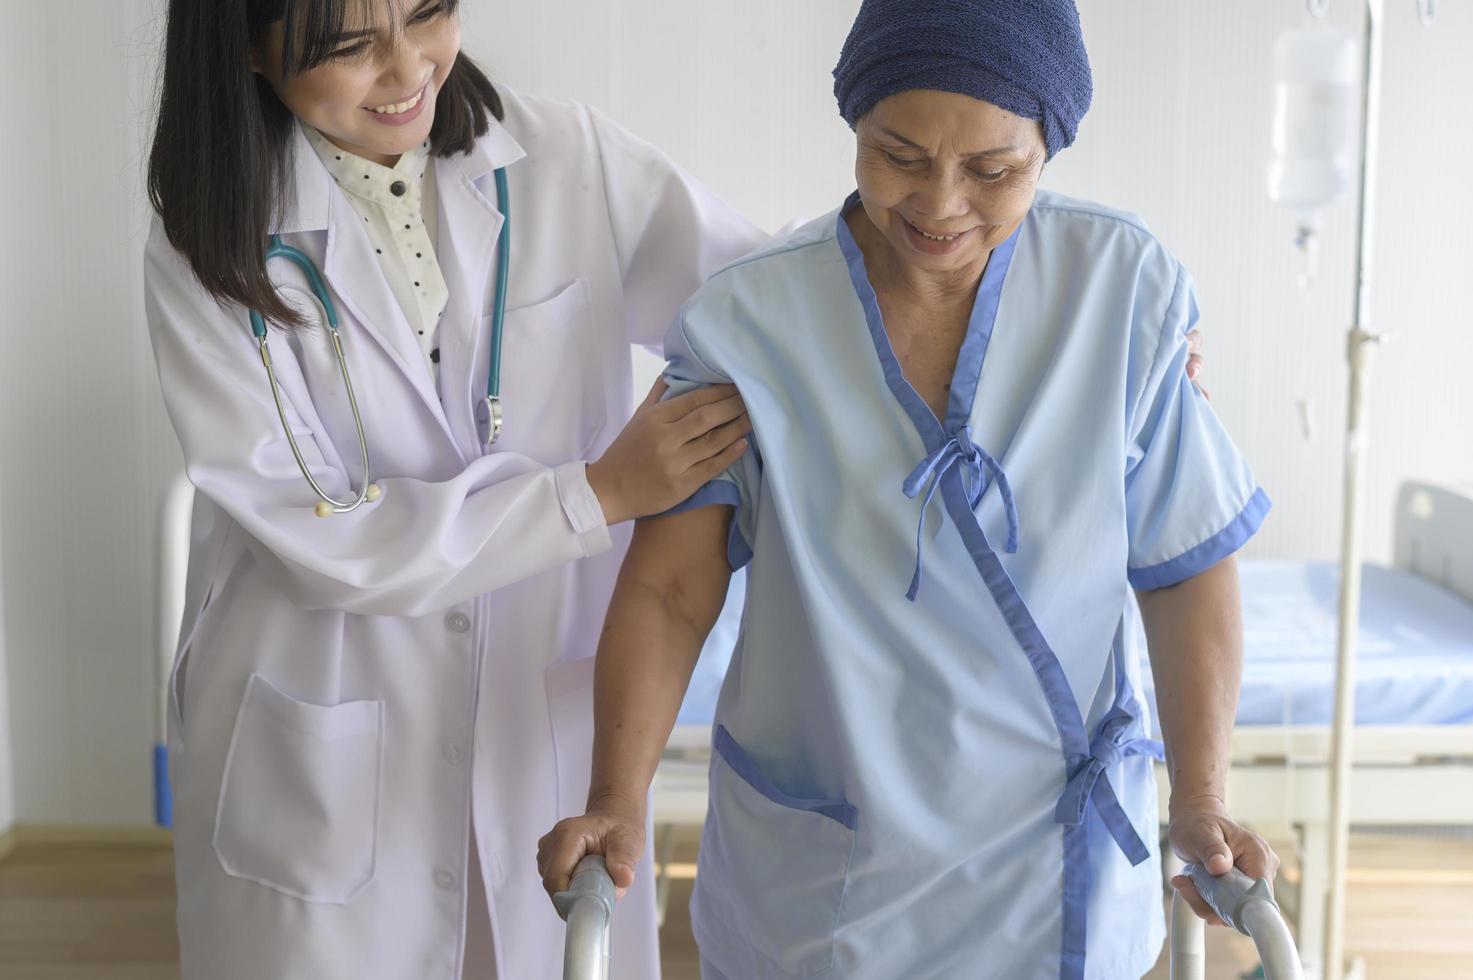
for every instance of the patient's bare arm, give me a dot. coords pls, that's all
(670, 591)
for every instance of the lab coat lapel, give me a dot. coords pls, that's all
(352, 270)
(470, 222)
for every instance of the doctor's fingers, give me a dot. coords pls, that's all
(681, 406)
(657, 391)
(715, 441)
(707, 418)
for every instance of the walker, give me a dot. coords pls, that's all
(1245, 904)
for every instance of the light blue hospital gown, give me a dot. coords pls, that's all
(959, 785)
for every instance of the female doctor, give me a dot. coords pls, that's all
(375, 713)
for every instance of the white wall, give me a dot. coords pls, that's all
(1180, 133)
(740, 94)
(7, 765)
(82, 436)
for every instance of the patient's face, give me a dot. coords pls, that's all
(946, 178)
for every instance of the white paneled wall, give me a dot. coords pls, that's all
(83, 440)
(739, 93)
(1180, 133)
(7, 759)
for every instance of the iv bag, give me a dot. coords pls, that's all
(1314, 117)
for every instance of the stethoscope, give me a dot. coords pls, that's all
(488, 410)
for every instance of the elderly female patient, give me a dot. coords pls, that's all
(973, 438)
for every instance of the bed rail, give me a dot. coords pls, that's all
(1244, 904)
(1434, 534)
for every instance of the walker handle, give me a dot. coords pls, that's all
(1245, 904)
(1229, 893)
(588, 907)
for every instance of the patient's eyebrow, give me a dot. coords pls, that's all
(995, 151)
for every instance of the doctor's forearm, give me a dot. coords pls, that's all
(1195, 634)
(669, 594)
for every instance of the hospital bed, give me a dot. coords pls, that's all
(1413, 745)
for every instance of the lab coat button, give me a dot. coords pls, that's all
(453, 753)
(445, 879)
(457, 622)
(397, 188)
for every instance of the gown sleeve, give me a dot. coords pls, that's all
(685, 371)
(1191, 499)
(670, 231)
(424, 546)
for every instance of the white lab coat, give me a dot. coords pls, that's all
(353, 691)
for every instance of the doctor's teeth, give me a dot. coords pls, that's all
(397, 107)
(939, 238)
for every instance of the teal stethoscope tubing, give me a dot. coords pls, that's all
(488, 411)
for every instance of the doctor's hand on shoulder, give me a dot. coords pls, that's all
(1201, 832)
(613, 827)
(669, 450)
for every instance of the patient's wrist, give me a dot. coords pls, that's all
(1195, 801)
(627, 802)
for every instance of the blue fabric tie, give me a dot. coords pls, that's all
(974, 463)
(1089, 784)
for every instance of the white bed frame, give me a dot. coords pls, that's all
(1401, 776)
(1279, 781)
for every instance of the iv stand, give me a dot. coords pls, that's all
(1360, 342)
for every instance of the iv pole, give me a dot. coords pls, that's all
(1360, 341)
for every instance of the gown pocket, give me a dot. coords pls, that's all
(778, 865)
(299, 797)
(553, 390)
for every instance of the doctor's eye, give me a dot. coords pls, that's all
(429, 11)
(348, 52)
(990, 176)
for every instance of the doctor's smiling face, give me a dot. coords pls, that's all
(945, 178)
(371, 89)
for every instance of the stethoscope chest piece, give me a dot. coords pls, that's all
(488, 420)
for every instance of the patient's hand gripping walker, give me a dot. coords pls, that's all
(588, 907)
(1246, 905)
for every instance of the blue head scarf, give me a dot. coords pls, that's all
(1025, 56)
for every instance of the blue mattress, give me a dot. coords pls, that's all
(1415, 664)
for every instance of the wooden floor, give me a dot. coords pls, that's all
(93, 913)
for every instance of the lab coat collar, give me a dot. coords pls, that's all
(309, 200)
(310, 209)
(495, 149)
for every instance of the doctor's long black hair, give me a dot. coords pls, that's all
(219, 173)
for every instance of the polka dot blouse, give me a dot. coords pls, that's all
(398, 208)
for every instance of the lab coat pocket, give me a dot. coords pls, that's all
(570, 708)
(777, 865)
(299, 797)
(553, 388)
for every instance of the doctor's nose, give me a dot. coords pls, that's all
(405, 70)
